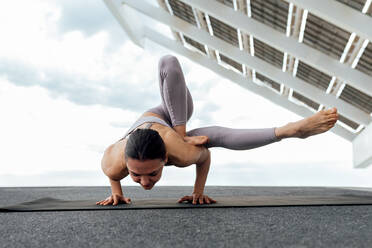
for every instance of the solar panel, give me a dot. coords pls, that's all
(318, 34)
(325, 36)
(271, 12)
(231, 62)
(305, 100)
(357, 98)
(268, 81)
(268, 53)
(183, 11)
(355, 4)
(227, 2)
(195, 44)
(365, 61)
(348, 122)
(224, 31)
(313, 76)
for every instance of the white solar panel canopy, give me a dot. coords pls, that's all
(303, 55)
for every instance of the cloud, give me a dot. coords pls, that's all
(86, 16)
(41, 133)
(113, 92)
(73, 61)
(90, 17)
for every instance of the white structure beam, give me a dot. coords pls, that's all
(165, 5)
(240, 80)
(261, 66)
(339, 15)
(290, 45)
(362, 152)
(127, 20)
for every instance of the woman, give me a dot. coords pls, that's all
(159, 138)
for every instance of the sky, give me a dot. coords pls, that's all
(72, 83)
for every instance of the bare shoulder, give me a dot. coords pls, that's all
(112, 163)
(181, 153)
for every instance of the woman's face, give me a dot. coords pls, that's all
(147, 172)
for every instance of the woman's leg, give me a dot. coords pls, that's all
(235, 138)
(177, 104)
(244, 139)
(177, 108)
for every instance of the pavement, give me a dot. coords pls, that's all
(294, 226)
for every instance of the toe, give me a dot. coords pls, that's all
(332, 120)
(331, 111)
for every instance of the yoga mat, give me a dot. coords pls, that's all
(53, 204)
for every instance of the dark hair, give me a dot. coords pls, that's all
(145, 144)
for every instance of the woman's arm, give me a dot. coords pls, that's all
(116, 196)
(116, 187)
(181, 130)
(202, 169)
(182, 153)
(111, 167)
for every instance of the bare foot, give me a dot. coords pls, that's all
(318, 123)
(196, 140)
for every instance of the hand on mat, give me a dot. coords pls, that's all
(196, 140)
(114, 199)
(197, 198)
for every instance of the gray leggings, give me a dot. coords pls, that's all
(177, 107)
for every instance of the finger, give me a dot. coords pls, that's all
(115, 201)
(201, 201)
(128, 200)
(194, 200)
(213, 201)
(185, 199)
(207, 200)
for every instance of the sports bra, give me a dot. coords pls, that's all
(144, 119)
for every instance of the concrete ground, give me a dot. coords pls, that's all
(301, 226)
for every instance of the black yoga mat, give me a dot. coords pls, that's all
(53, 204)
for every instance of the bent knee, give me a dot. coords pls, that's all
(167, 60)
